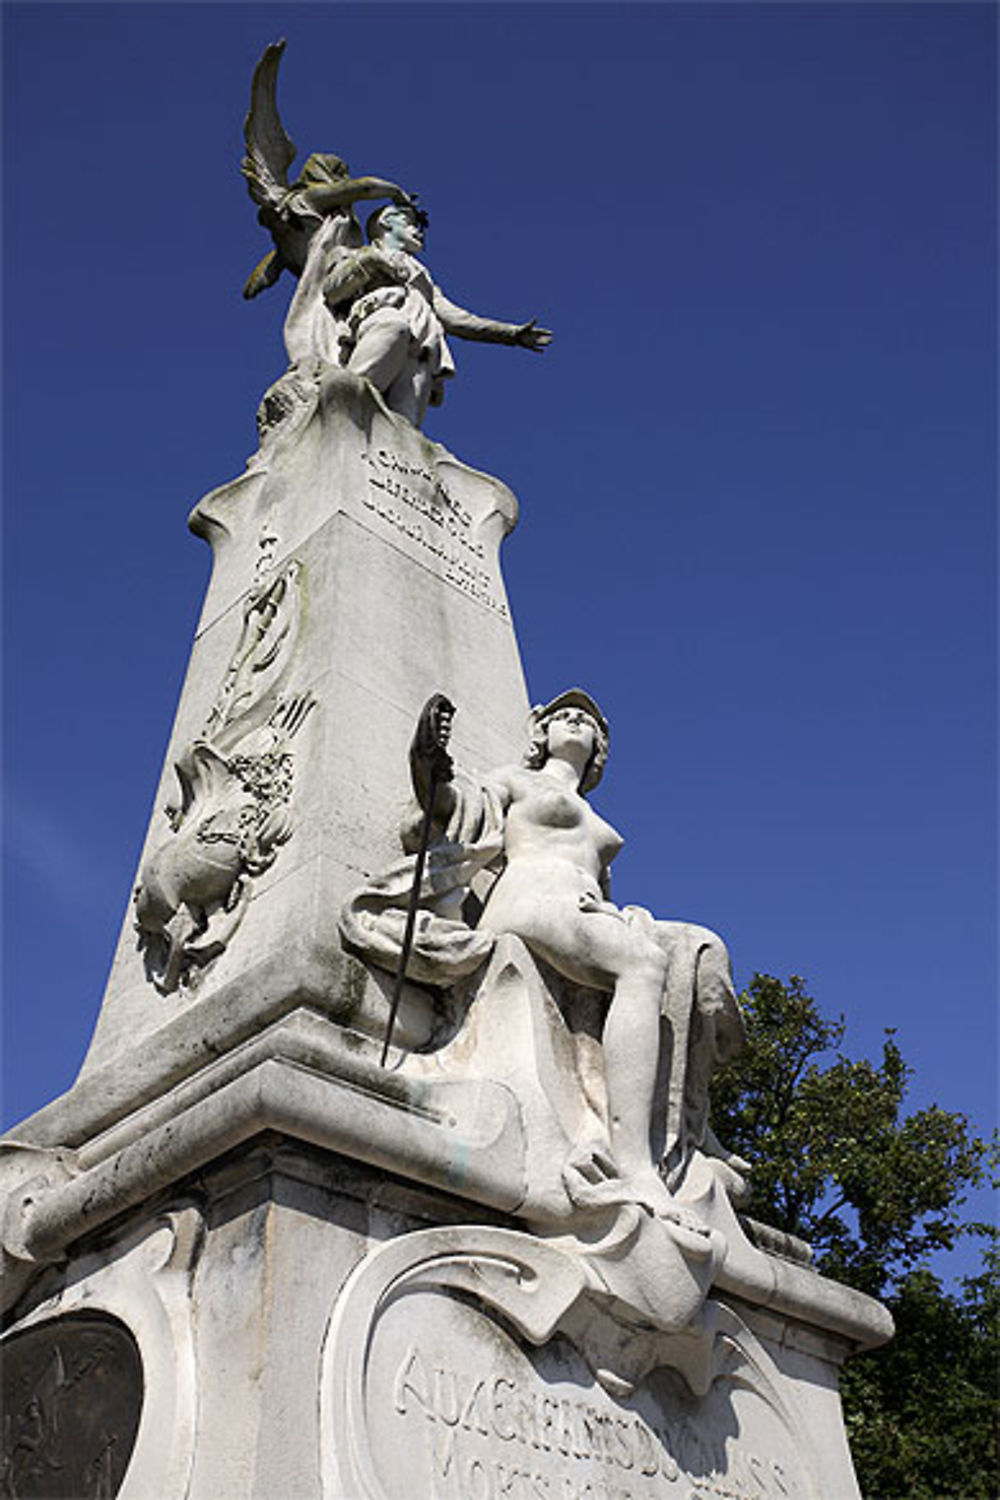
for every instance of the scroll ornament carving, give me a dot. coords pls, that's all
(27, 1173)
(235, 784)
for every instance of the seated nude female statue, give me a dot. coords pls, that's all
(553, 893)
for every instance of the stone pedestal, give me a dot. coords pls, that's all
(244, 1261)
(311, 1328)
(347, 1283)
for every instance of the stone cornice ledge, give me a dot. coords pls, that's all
(801, 1293)
(463, 1137)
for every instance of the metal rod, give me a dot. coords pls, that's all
(411, 912)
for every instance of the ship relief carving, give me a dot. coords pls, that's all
(233, 812)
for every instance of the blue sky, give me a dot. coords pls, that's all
(756, 468)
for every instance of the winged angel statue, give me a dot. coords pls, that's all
(370, 308)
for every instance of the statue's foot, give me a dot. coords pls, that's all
(649, 1190)
(593, 1182)
(592, 1179)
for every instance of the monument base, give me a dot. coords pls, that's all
(311, 1328)
(297, 1275)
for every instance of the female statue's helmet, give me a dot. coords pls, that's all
(538, 750)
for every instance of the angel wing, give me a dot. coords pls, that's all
(269, 151)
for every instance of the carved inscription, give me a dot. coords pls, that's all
(72, 1394)
(451, 1371)
(492, 1436)
(412, 500)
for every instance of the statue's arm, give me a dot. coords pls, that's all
(355, 272)
(467, 325)
(430, 762)
(325, 198)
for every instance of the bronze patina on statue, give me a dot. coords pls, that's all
(370, 308)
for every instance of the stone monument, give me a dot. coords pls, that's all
(389, 1174)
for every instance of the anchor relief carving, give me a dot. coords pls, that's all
(235, 784)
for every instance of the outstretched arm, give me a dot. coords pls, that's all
(356, 272)
(467, 325)
(326, 197)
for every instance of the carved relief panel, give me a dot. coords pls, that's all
(235, 781)
(99, 1390)
(72, 1396)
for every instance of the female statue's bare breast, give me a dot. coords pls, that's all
(551, 807)
(544, 818)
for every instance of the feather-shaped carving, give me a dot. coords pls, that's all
(270, 153)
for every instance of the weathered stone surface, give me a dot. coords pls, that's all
(433, 1392)
(360, 1284)
(315, 1329)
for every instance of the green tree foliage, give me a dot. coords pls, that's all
(838, 1162)
(921, 1414)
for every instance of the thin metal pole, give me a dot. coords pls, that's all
(411, 912)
